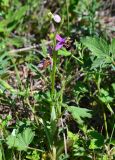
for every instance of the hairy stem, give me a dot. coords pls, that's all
(53, 69)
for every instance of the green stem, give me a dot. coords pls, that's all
(77, 59)
(67, 7)
(47, 134)
(63, 80)
(105, 123)
(2, 149)
(61, 97)
(53, 73)
(112, 132)
(99, 81)
(53, 69)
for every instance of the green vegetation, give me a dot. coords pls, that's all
(57, 81)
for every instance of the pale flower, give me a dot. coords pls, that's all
(57, 18)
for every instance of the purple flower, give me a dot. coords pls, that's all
(61, 42)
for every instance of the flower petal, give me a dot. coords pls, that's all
(58, 46)
(59, 38)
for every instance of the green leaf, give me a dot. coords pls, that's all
(53, 114)
(100, 62)
(64, 52)
(112, 142)
(97, 46)
(11, 141)
(24, 139)
(79, 113)
(97, 140)
(80, 87)
(34, 156)
(100, 51)
(73, 137)
(21, 141)
(0, 154)
(104, 96)
(5, 3)
(44, 49)
(112, 46)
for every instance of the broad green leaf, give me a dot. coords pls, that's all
(21, 141)
(97, 46)
(100, 51)
(97, 140)
(79, 113)
(100, 62)
(24, 139)
(11, 141)
(64, 52)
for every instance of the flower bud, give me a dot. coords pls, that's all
(57, 18)
(50, 15)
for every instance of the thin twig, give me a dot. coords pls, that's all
(23, 49)
(28, 48)
(39, 150)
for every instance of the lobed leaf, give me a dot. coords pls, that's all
(97, 46)
(79, 113)
(22, 140)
